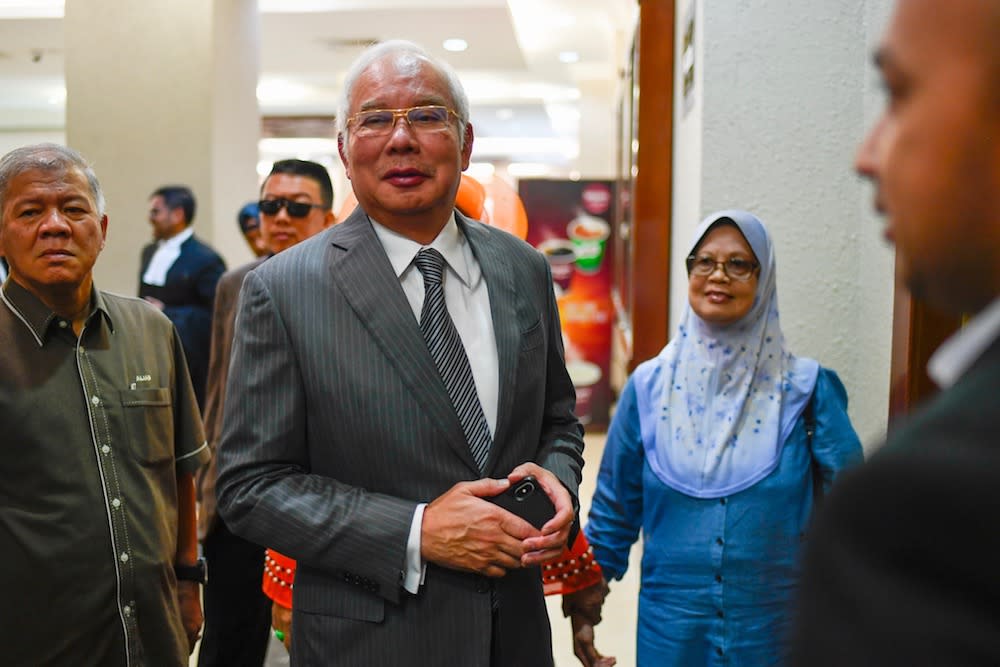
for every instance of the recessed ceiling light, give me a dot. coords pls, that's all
(57, 96)
(277, 91)
(455, 44)
(31, 9)
(568, 56)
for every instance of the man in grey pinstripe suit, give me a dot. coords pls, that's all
(341, 445)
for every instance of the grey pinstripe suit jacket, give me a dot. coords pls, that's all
(337, 424)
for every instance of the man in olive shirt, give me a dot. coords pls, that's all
(101, 437)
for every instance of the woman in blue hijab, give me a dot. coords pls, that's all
(709, 457)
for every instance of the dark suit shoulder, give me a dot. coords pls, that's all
(896, 569)
(196, 248)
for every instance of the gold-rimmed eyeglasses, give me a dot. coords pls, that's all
(736, 268)
(380, 122)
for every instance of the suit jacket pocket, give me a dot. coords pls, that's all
(533, 337)
(150, 423)
(322, 594)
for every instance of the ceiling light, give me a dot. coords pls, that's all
(31, 9)
(455, 44)
(569, 57)
(276, 91)
(57, 96)
(564, 20)
(297, 6)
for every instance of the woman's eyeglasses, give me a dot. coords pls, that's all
(296, 209)
(736, 268)
(380, 122)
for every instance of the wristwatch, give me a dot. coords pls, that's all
(197, 572)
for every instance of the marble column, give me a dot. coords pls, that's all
(164, 92)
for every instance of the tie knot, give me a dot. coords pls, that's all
(430, 263)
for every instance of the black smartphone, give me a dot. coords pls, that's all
(526, 498)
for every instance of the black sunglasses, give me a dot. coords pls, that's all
(296, 209)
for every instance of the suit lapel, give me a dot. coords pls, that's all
(498, 274)
(363, 274)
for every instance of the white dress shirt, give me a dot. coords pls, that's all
(167, 252)
(468, 301)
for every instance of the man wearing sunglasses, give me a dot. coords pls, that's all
(388, 376)
(296, 202)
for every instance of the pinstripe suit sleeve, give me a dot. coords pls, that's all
(265, 489)
(561, 449)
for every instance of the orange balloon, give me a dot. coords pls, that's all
(471, 197)
(505, 209)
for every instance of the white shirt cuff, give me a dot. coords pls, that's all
(413, 577)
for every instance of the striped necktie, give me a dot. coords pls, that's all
(449, 355)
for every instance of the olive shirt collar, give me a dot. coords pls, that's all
(39, 318)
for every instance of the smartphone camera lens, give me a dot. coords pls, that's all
(525, 490)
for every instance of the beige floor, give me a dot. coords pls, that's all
(616, 633)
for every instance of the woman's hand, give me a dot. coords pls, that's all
(189, 600)
(281, 621)
(584, 610)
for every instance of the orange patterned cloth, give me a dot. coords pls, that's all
(575, 570)
(279, 576)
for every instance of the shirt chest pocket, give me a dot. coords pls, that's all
(149, 421)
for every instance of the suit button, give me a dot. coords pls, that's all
(482, 585)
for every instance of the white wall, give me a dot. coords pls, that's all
(783, 94)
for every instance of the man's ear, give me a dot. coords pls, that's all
(467, 147)
(342, 149)
(104, 230)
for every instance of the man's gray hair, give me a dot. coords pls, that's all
(401, 50)
(48, 158)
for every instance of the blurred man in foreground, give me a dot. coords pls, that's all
(899, 566)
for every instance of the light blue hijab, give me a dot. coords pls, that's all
(730, 395)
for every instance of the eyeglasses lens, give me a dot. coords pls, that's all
(735, 267)
(380, 122)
